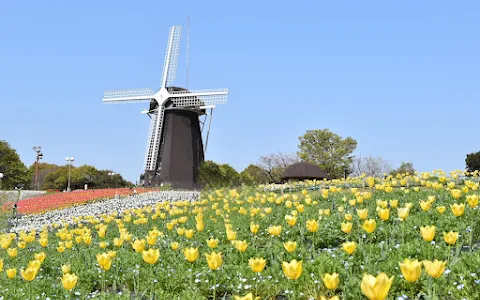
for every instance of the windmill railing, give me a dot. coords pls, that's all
(213, 91)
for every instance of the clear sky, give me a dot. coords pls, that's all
(401, 77)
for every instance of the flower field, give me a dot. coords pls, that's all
(60, 200)
(405, 237)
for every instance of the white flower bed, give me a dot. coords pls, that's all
(28, 222)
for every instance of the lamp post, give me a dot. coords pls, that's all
(38, 150)
(69, 160)
(1, 176)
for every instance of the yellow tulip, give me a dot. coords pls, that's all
(174, 245)
(347, 227)
(11, 273)
(151, 256)
(214, 260)
(248, 296)
(240, 245)
(425, 205)
(331, 281)
(104, 260)
(293, 269)
(87, 239)
(275, 230)
(332, 298)
(257, 264)
(291, 220)
(384, 214)
(231, 235)
(348, 217)
(290, 246)
(151, 239)
(12, 252)
(441, 209)
(403, 212)
(376, 288)
(349, 247)
(103, 244)
(411, 269)
(189, 233)
(69, 281)
(312, 225)
(458, 209)
(138, 245)
(34, 264)
(200, 226)
(69, 244)
(393, 203)
(369, 225)
(451, 237)
(254, 228)
(22, 244)
(117, 242)
(456, 193)
(1, 265)
(362, 213)
(212, 243)
(191, 254)
(428, 233)
(472, 200)
(60, 248)
(29, 273)
(66, 269)
(43, 242)
(434, 268)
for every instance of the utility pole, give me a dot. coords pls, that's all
(37, 150)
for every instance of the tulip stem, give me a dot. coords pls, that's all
(214, 285)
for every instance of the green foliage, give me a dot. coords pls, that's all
(58, 178)
(473, 161)
(14, 170)
(214, 175)
(405, 167)
(254, 175)
(327, 150)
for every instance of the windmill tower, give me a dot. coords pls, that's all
(174, 147)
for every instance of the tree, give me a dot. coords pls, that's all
(214, 175)
(43, 170)
(14, 170)
(405, 167)
(253, 175)
(473, 161)
(276, 163)
(57, 179)
(370, 166)
(327, 150)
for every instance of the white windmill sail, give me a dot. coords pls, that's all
(195, 99)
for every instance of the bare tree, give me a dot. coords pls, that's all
(275, 163)
(370, 166)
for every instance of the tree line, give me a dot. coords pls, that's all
(52, 176)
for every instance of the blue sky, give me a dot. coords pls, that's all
(401, 78)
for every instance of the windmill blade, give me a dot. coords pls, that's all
(171, 57)
(154, 136)
(199, 97)
(127, 96)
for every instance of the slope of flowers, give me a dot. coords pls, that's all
(388, 240)
(70, 214)
(62, 200)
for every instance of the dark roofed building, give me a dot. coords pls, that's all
(303, 171)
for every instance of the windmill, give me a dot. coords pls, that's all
(174, 147)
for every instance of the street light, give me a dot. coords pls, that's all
(38, 150)
(69, 160)
(1, 176)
